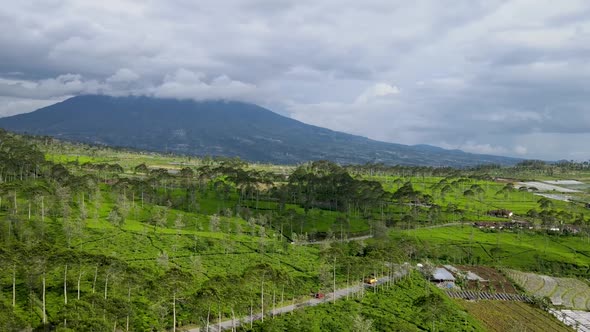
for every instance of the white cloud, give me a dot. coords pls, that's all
(379, 90)
(123, 75)
(191, 85)
(511, 116)
(62, 85)
(182, 84)
(482, 148)
(521, 150)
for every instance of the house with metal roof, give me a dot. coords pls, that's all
(441, 274)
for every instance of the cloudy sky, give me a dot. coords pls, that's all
(499, 77)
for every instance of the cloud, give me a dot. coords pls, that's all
(123, 75)
(376, 112)
(521, 150)
(379, 90)
(12, 106)
(485, 75)
(479, 148)
(191, 85)
(62, 85)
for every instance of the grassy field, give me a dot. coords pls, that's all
(521, 250)
(67, 152)
(475, 206)
(460, 198)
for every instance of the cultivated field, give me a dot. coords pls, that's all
(558, 197)
(545, 186)
(564, 182)
(580, 320)
(512, 316)
(569, 292)
(495, 281)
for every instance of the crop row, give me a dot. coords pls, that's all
(569, 292)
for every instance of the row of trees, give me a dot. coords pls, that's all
(47, 280)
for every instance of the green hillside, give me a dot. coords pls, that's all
(95, 238)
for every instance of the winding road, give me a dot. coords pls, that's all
(338, 294)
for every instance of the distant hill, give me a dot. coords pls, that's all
(221, 128)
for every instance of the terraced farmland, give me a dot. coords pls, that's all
(580, 320)
(569, 292)
(512, 316)
(495, 282)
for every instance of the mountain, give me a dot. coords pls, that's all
(220, 128)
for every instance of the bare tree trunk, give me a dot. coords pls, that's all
(362, 286)
(15, 205)
(208, 312)
(42, 209)
(233, 320)
(347, 280)
(375, 285)
(334, 294)
(29, 210)
(14, 285)
(174, 312)
(106, 286)
(94, 282)
(262, 299)
(44, 313)
(133, 204)
(251, 315)
(66, 285)
(128, 300)
(79, 278)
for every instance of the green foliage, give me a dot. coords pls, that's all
(524, 250)
(411, 304)
(115, 238)
(10, 320)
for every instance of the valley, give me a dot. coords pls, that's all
(96, 238)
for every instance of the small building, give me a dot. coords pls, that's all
(441, 274)
(515, 224)
(484, 224)
(518, 224)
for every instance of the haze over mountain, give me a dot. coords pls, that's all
(220, 128)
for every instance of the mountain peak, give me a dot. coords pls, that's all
(220, 128)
